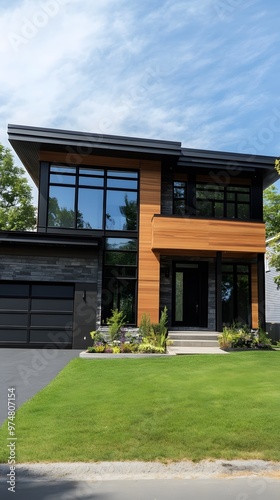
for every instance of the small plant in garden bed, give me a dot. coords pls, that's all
(239, 336)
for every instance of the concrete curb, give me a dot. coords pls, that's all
(106, 471)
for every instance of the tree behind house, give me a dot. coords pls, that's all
(17, 212)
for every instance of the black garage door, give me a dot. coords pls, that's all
(36, 314)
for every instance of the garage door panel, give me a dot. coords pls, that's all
(13, 336)
(13, 319)
(14, 290)
(58, 320)
(51, 336)
(55, 291)
(52, 305)
(13, 304)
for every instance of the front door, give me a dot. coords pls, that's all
(190, 294)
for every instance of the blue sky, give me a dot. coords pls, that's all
(205, 73)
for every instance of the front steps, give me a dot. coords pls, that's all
(190, 339)
(193, 342)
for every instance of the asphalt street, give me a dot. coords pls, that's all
(250, 488)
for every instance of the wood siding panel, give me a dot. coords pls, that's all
(77, 159)
(171, 233)
(149, 266)
(254, 293)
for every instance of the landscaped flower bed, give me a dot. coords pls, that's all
(119, 339)
(241, 337)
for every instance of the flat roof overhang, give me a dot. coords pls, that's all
(230, 164)
(28, 142)
(46, 239)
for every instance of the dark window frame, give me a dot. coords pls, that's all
(235, 273)
(106, 173)
(229, 197)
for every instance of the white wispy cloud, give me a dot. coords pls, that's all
(171, 69)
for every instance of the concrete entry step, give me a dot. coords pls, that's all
(177, 351)
(189, 339)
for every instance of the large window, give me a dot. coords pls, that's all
(120, 277)
(232, 202)
(87, 198)
(236, 294)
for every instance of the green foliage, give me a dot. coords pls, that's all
(115, 323)
(97, 337)
(151, 348)
(271, 211)
(277, 165)
(145, 325)
(239, 336)
(17, 212)
(155, 333)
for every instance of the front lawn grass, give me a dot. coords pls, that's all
(173, 408)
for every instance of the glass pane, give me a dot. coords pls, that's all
(122, 184)
(227, 268)
(123, 173)
(243, 211)
(243, 197)
(121, 258)
(125, 272)
(91, 171)
(179, 184)
(231, 196)
(243, 303)
(61, 207)
(91, 181)
(179, 207)
(227, 298)
(231, 210)
(127, 299)
(121, 211)
(179, 193)
(62, 179)
(121, 244)
(63, 170)
(179, 296)
(204, 208)
(219, 209)
(243, 269)
(90, 209)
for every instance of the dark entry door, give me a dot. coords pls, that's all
(191, 294)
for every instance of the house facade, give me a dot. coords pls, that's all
(133, 224)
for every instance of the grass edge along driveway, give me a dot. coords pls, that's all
(166, 409)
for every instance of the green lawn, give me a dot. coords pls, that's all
(173, 408)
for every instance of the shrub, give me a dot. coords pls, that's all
(97, 337)
(115, 323)
(150, 348)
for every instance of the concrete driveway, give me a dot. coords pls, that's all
(28, 371)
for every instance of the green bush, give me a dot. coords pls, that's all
(150, 348)
(239, 336)
(115, 323)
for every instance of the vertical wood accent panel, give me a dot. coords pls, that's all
(149, 264)
(255, 298)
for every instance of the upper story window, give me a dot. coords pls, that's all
(179, 197)
(231, 202)
(88, 198)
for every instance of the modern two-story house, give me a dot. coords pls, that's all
(133, 224)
